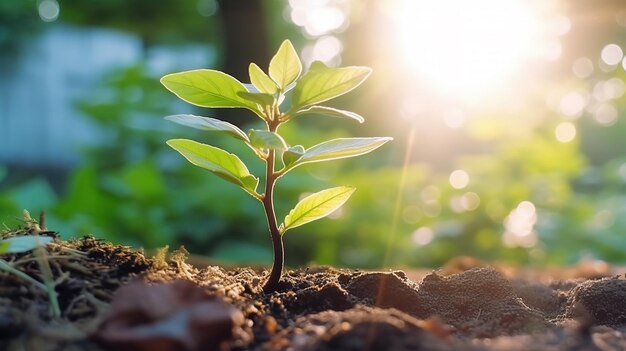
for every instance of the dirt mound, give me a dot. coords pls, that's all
(479, 302)
(599, 302)
(362, 328)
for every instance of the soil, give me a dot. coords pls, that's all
(115, 298)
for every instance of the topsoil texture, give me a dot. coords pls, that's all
(114, 298)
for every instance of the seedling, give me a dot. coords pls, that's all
(265, 96)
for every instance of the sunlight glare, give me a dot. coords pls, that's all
(466, 48)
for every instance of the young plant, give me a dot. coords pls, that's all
(264, 97)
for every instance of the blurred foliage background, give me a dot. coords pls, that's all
(509, 119)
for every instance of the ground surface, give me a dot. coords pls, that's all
(117, 299)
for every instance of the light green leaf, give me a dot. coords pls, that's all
(316, 206)
(292, 154)
(285, 66)
(208, 124)
(264, 139)
(19, 244)
(258, 98)
(317, 65)
(208, 88)
(340, 148)
(222, 163)
(333, 112)
(323, 83)
(260, 80)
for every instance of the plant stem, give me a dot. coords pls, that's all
(268, 204)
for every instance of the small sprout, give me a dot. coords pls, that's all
(215, 89)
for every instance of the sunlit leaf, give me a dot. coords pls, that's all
(217, 161)
(317, 65)
(292, 154)
(323, 83)
(208, 124)
(264, 139)
(333, 112)
(258, 98)
(208, 88)
(18, 244)
(260, 80)
(285, 66)
(340, 148)
(316, 206)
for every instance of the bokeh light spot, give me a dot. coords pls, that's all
(459, 179)
(317, 17)
(519, 226)
(411, 214)
(470, 201)
(422, 236)
(207, 8)
(565, 132)
(572, 104)
(605, 114)
(612, 54)
(48, 10)
(431, 208)
(326, 49)
(582, 67)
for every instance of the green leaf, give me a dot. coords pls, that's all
(208, 88)
(208, 124)
(285, 66)
(260, 80)
(340, 148)
(323, 83)
(292, 154)
(222, 163)
(263, 139)
(258, 98)
(333, 112)
(316, 206)
(317, 65)
(19, 244)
